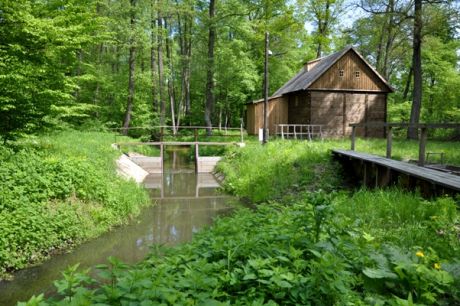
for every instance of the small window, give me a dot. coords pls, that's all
(341, 73)
(357, 74)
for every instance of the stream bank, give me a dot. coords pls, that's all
(183, 203)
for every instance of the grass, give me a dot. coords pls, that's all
(260, 173)
(58, 191)
(310, 241)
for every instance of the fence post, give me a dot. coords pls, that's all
(353, 137)
(197, 154)
(422, 146)
(196, 134)
(161, 156)
(389, 141)
(241, 130)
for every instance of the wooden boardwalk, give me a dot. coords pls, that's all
(381, 171)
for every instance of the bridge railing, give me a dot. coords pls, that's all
(201, 162)
(163, 131)
(299, 131)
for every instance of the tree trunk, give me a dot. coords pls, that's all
(390, 39)
(100, 50)
(210, 70)
(412, 133)
(408, 81)
(132, 65)
(153, 63)
(188, 65)
(161, 69)
(185, 27)
(170, 78)
(323, 27)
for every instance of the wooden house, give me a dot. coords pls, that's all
(332, 91)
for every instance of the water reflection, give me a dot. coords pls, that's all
(184, 203)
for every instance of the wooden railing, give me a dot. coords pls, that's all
(299, 131)
(174, 131)
(423, 127)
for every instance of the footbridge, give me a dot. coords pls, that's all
(379, 171)
(154, 164)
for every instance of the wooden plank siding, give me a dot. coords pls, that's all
(349, 63)
(277, 114)
(327, 109)
(329, 92)
(299, 108)
(336, 110)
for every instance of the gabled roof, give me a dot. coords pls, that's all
(305, 79)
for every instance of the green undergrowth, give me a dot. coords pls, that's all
(304, 251)
(280, 168)
(57, 191)
(309, 241)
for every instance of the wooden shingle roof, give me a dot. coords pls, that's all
(304, 79)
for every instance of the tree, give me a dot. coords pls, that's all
(132, 67)
(324, 15)
(209, 106)
(38, 51)
(412, 133)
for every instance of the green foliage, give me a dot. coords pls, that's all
(39, 44)
(57, 191)
(413, 222)
(306, 247)
(278, 255)
(260, 172)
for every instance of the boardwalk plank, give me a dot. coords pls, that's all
(434, 176)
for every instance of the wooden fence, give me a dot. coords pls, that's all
(423, 127)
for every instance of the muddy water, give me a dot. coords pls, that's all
(185, 202)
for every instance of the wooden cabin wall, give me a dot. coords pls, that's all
(350, 63)
(277, 114)
(327, 109)
(336, 110)
(251, 118)
(376, 112)
(299, 107)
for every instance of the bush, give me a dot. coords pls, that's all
(296, 254)
(279, 168)
(57, 191)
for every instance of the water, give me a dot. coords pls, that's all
(185, 202)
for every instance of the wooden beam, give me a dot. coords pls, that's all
(389, 141)
(422, 147)
(197, 155)
(161, 156)
(405, 125)
(353, 137)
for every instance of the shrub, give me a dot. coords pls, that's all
(57, 191)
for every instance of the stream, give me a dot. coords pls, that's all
(184, 203)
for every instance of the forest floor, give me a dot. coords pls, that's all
(57, 191)
(310, 240)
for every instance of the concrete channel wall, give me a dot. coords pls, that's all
(130, 170)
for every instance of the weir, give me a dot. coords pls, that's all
(203, 164)
(184, 201)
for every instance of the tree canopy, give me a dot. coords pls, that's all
(149, 62)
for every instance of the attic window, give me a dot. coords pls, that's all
(357, 74)
(341, 73)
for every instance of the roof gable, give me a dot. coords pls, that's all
(304, 79)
